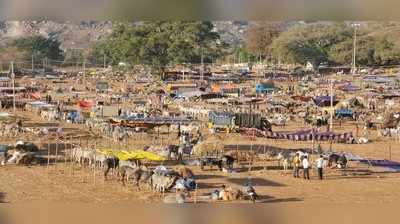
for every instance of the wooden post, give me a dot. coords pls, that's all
(80, 145)
(55, 159)
(251, 150)
(265, 167)
(94, 167)
(195, 194)
(65, 153)
(48, 153)
(237, 153)
(71, 165)
(126, 140)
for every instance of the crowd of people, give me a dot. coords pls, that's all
(305, 164)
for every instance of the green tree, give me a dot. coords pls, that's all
(159, 44)
(334, 44)
(309, 43)
(121, 46)
(40, 47)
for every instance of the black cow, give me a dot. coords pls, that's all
(224, 161)
(110, 163)
(338, 160)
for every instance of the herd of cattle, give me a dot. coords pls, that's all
(159, 178)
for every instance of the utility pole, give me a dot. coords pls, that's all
(104, 61)
(84, 69)
(32, 63)
(354, 50)
(202, 66)
(13, 83)
(355, 25)
(332, 111)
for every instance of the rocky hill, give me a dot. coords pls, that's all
(70, 34)
(81, 34)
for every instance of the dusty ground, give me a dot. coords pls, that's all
(60, 184)
(359, 184)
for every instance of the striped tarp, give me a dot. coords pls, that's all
(304, 135)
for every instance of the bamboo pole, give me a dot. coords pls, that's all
(55, 159)
(94, 167)
(48, 153)
(71, 155)
(195, 195)
(65, 153)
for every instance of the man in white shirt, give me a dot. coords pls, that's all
(306, 172)
(320, 165)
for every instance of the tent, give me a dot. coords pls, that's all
(349, 88)
(85, 105)
(308, 135)
(136, 154)
(35, 96)
(266, 87)
(324, 101)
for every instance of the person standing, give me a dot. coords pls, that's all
(320, 165)
(306, 173)
(296, 165)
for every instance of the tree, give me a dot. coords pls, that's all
(40, 47)
(334, 44)
(260, 37)
(121, 46)
(311, 43)
(386, 52)
(159, 44)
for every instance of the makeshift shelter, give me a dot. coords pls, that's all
(324, 101)
(39, 105)
(189, 94)
(35, 96)
(221, 120)
(102, 86)
(343, 113)
(353, 102)
(308, 135)
(266, 87)
(349, 88)
(134, 155)
(302, 98)
(84, 105)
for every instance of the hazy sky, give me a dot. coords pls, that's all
(200, 9)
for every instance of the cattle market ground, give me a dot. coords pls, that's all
(68, 183)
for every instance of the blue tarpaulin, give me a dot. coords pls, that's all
(344, 113)
(323, 101)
